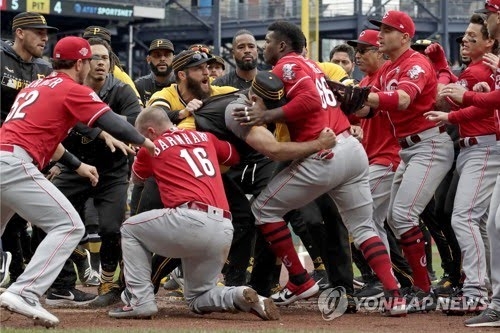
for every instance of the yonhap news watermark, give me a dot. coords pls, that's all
(333, 303)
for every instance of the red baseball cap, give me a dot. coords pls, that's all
(397, 20)
(490, 6)
(72, 48)
(366, 37)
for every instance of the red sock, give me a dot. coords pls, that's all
(413, 245)
(279, 239)
(377, 257)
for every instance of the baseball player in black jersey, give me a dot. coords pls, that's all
(245, 56)
(110, 195)
(159, 59)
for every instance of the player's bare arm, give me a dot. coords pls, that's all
(264, 142)
(257, 115)
(114, 144)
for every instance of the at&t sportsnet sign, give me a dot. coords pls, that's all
(100, 11)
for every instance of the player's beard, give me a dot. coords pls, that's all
(156, 72)
(245, 65)
(195, 88)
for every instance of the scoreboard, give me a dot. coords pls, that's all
(82, 9)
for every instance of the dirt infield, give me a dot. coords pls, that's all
(303, 316)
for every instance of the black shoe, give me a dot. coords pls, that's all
(321, 278)
(458, 304)
(372, 289)
(70, 297)
(418, 300)
(445, 287)
(109, 294)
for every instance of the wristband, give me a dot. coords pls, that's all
(388, 100)
(69, 160)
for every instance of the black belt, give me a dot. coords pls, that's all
(203, 207)
(472, 142)
(415, 138)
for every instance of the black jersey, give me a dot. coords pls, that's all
(233, 80)
(83, 142)
(17, 74)
(147, 85)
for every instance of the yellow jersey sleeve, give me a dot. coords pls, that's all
(332, 71)
(122, 76)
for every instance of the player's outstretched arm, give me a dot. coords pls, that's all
(114, 144)
(123, 131)
(64, 157)
(264, 142)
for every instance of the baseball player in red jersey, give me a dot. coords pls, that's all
(380, 145)
(405, 89)
(477, 165)
(40, 118)
(195, 224)
(490, 317)
(344, 176)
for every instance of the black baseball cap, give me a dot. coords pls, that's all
(98, 32)
(189, 58)
(30, 20)
(219, 61)
(270, 88)
(161, 44)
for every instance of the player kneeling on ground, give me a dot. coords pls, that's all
(195, 224)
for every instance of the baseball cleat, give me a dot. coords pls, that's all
(370, 290)
(292, 293)
(418, 300)
(69, 297)
(321, 278)
(246, 299)
(487, 318)
(145, 311)
(28, 307)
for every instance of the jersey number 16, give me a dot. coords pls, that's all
(201, 156)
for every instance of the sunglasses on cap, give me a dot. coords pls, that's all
(200, 48)
(195, 58)
(199, 55)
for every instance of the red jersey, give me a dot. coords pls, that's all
(311, 104)
(186, 167)
(485, 100)
(475, 120)
(411, 72)
(379, 142)
(45, 111)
